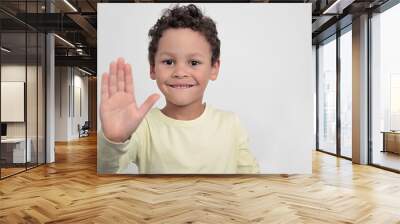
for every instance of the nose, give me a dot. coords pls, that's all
(180, 71)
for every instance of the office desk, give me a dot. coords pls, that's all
(13, 150)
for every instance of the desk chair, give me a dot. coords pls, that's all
(84, 130)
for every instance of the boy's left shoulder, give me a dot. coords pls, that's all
(223, 115)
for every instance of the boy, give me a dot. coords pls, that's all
(186, 136)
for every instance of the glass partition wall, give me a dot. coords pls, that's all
(334, 75)
(327, 95)
(22, 77)
(334, 109)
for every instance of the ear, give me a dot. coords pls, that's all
(215, 70)
(152, 72)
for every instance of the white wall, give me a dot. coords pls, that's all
(81, 84)
(61, 103)
(265, 76)
(67, 80)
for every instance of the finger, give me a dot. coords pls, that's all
(120, 75)
(112, 86)
(148, 104)
(104, 86)
(129, 87)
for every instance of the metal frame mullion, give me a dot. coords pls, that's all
(317, 96)
(26, 86)
(338, 98)
(369, 91)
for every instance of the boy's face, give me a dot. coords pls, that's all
(183, 66)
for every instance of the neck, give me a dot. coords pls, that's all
(187, 112)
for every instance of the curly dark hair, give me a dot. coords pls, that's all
(184, 17)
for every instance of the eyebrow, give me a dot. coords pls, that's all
(172, 54)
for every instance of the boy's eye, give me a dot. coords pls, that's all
(167, 62)
(194, 62)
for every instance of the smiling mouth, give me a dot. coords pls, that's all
(181, 86)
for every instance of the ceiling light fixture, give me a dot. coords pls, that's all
(84, 71)
(65, 41)
(337, 7)
(5, 50)
(70, 5)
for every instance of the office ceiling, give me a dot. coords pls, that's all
(76, 22)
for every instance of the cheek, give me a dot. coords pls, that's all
(202, 84)
(161, 74)
(204, 76)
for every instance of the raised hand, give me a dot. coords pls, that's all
(119, 113)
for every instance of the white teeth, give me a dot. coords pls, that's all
(181, 86)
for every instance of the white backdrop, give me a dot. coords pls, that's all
(265, 77)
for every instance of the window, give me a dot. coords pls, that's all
(327, 96)
(385, 88)
(346, 93)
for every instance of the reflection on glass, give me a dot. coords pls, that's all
(327, 96)
(346, 94)
(22, 90)
(386, 88)
(13, 85)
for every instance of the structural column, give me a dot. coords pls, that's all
(360, 90)
(50, 92)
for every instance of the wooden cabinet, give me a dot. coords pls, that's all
(391, 142)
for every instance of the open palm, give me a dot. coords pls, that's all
(119, 113)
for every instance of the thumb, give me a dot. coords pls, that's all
(148, 104)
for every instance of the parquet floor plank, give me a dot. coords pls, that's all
(70, 191)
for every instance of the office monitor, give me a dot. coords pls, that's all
(3, 129)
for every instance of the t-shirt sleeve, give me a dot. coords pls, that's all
(113, 157)
(246, 163)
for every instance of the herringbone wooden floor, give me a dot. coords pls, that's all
(69, 191)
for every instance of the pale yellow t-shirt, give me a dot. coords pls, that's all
(213, 143)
